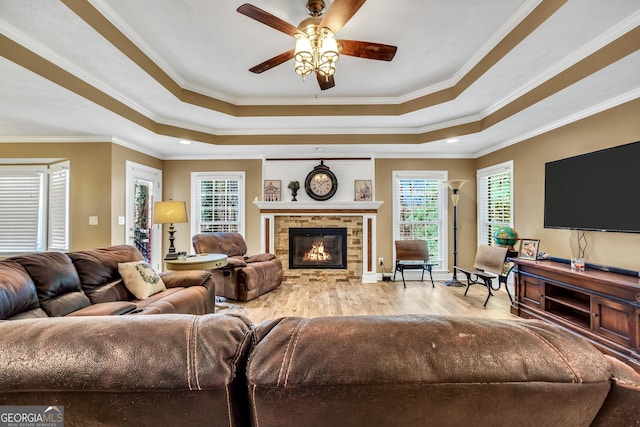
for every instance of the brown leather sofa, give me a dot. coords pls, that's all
(87, 283)
(176, 370)
(245, 277)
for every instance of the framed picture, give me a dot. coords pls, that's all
(363, 192)
(272, 190)
(529, 248)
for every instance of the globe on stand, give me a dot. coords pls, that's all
(505, 236)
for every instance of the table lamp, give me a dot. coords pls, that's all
(170, 212)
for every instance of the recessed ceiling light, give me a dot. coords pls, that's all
(452, 140)
(185, 141)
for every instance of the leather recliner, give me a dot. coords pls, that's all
(245, 277)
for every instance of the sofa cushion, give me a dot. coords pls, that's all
(56, 281)
(372, 370)
(109, 292)
(97, 267)
(170, 370)
(17, 291)
(106, 309)
(142, 280)
(191, 300)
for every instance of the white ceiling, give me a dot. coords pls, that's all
(207, 47)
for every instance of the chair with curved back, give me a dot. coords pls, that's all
(412, 255)
(487, 267)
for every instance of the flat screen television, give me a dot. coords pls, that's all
(595, 191)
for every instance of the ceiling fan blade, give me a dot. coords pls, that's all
(270, 63)
(268, 19)
(339, 13)
(325, 82)
(369, 50)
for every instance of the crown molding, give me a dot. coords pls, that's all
(25, 139)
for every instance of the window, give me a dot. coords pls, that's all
(34, 208)
(495, 200)
(420, 211)
(217, 202)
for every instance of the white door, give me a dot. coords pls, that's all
(144, 187)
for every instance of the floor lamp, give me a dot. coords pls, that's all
(169, 213)
(455, 185)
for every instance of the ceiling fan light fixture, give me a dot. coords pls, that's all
(317, 52)
(303, 55)
(329, 48)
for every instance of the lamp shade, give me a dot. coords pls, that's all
(303, 51)
(456, 184)
(170, 212)
(329, 49)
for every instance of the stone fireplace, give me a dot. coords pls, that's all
(318, 248)
(357, 218)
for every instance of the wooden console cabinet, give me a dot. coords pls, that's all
(600, 306)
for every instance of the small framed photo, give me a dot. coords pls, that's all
(363, 192)
(529, 248)
(272, 190)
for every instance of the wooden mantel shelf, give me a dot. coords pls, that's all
(318, 207)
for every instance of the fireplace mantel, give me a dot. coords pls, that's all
(318, 207)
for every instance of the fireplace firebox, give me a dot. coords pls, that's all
(318, 248)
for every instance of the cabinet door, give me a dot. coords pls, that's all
(615, 321)
(530, 291)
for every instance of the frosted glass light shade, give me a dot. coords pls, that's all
(329, 50)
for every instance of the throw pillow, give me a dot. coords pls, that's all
(141, 280)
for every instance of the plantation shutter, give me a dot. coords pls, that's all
(218, 203)
(59, 207)
(495, 200)
(418, 206)
(22, 195)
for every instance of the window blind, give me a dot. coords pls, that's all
(495, 200)
(59, 207)
(22, 196)
(218, 203)
(418, 206)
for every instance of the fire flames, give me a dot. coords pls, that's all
(317, 253)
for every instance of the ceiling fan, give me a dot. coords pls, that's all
(317, 49)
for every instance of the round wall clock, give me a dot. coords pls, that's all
(321, 184)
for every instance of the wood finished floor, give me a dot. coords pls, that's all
(335, 298)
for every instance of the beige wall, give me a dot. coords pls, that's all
(97, 185)
(457, 169)
(90, 185)
(98, 188)
(614, 127)
(177, 186)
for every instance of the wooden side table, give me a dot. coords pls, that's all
(197, 262)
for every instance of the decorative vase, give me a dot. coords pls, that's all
(294, 193)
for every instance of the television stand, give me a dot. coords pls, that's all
(601, 306)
